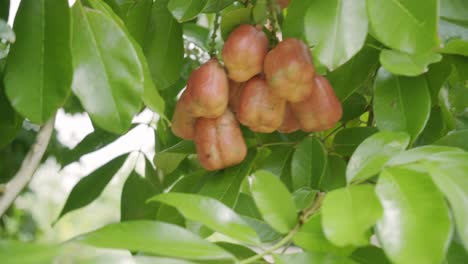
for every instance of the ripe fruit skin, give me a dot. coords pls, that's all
(208, 90)
(283, 3)
(290, 123)
(260, 109)
(321, 110)
(235, 91)
(244, 52)
(219, 141)
(182, 122)
(289, 70)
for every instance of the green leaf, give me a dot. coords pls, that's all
(454, 9)
(355, 73)
(279, 163)
(225, 185)
(211, 213)
(293, 24)
(108, 78)
(454, 35)
(436, 77)
(401, 103)
(154, 238)
(10, 121)
(316, 257)
(409, 26)
(245, 206)
(353, 107)
(448, 171)
(241, 252)
(309, 164)
(349, 213)
(169, 159)
(184, 10)
(164, 46)
(312, 239)
(347, 140)
(402, 63)
(265, 232)
(456, 254)
(419, 154)
(337, 29)
(373, 153)
(159, 260)
(135, 192)
(369, 255)
(404, 194)
(213, 6)
(274, 201)
(231, 19)
(198, 35)
(38, 74)
(435, 128)
(4, 9)
(304, 197)
(335, 176)
(27, 253)
(455, 139)
(260, 12)
(137, 18)
(91, 186)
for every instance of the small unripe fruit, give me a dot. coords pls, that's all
(208, 90)
(182, 122)
(259, 108)
(321, 110)
(244, 52)
(290, 123)
(219, 141)
(289, 70)
(235, 91)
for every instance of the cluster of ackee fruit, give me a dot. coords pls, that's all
(265, 90)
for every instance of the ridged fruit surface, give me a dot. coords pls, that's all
(182, 122)
(219, 141)
(290, 123)
(235, 91)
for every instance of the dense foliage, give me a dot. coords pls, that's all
(387, 184)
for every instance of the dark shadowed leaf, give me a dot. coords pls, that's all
(347, 140)
(309, 164)
(353, 107)
(293, 24)
(335, 176)
(369, 255)
(10, 121)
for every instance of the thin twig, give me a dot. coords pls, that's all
(29, 166)
(213, 36)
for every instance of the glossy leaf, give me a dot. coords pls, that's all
(304, 197)
(274, 201)
(279, 163)
(27, 253)
(395, 106)
(184, 10)
(245, 206)
(39, 68)
(404, 194)
(409, 26)
(455, 139)
(373, 153)
(91, 186)
(293, 24)
(135, 192)
(231, 19)
(225, 185)
(419, 154)
(108, 78)
(308, 164)
(448, 171)
(335, 176)
(355, 73)
(136, 19)
(302, 258)
(337, 29)
(211, 213)
(265, 232)
(10, 121)
(349, 213)
(347, 140)
(164, 46)
(402, 63)
(213, 6)
(311, 238)
(154, 238)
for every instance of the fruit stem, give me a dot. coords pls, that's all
(272, 16)
(213, 36)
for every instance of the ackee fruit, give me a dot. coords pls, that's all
(208, 90)
(259, 108)
(219, 141)
(321, 110)
(244, 52)
(289, 70)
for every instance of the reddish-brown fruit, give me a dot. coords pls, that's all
(290, 123)
(260, 109)
(321, 110)
(289, 70)
(219, 141)
(235, 91)
(244, 52)
(182, 122)
(283, 3)
(208, 90)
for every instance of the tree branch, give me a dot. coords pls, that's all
(30, 164)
